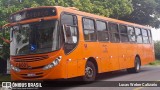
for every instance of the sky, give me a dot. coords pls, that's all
(156, 34)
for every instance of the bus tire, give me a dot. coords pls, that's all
(90, 72)
(137, 66)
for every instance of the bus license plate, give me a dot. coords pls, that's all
(31, 75)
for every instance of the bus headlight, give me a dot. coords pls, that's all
(16, 69)
(54, 63)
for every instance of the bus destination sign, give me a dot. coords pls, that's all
(31, 14)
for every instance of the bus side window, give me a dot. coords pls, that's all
(102, 31)
(138, 35)
(114, 33)
(123, 33)
(89, 29)
(145, 36)
(131, 34)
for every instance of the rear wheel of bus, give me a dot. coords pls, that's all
(137, 66)
(90, 72)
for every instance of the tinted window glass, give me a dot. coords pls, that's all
(131, 31)
(131, 34)
(68, 19)
(89, 29)
(113, 27)
(89, 35)
(102, 31)
(124, 38)
(145, 36)
(145, 40)
(123, 33)
(139, 35)
(88, 24)
(138, 31)
(114, 33)
(101, 26)
(123, 29)
(144, 32)
(139, 39)
(114, 37)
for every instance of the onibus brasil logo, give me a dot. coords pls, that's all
(21, 85)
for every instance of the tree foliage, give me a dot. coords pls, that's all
(113, 8)
(157, 49)
(146, 12)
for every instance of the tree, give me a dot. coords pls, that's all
(157, 49)
(146, 12)
(113, 8)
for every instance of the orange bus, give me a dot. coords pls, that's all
(54, 42)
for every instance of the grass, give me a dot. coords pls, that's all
(156, 62)
(5, 77)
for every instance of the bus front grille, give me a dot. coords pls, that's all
(29, 58)
(37, 75)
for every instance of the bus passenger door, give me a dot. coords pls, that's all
(71, 48)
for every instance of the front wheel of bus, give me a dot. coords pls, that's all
(136, 68)
(90, 72)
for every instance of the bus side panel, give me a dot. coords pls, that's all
(140, 52)
(91, 50)
(149, 54)
(104, 57)
(82, 61)
(113, 52)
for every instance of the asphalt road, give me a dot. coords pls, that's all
(148, 73)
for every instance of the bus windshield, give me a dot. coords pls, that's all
(33, 38)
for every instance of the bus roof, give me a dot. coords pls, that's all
(81, 13)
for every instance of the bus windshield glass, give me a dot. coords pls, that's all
(33, 38)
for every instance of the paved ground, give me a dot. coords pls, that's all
(148, 73)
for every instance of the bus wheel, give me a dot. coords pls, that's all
(136, 68)
(90, 72)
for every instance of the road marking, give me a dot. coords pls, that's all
(139, 88)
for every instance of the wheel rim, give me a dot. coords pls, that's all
(89, 72)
